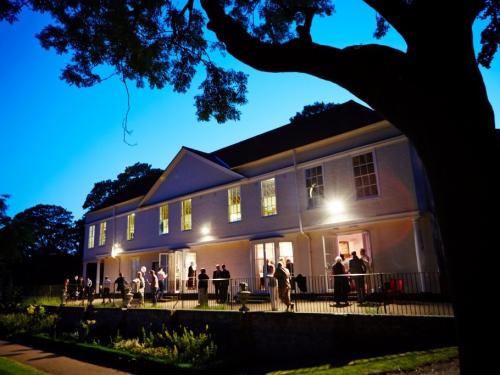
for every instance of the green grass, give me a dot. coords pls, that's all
(47, 301)
(380, 365)
(10, 367)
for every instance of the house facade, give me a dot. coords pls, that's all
(329, 184)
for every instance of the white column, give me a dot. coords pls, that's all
(98, 275)
(416, 237)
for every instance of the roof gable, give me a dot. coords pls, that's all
(189, 171)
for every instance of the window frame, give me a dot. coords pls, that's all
(186, 217)
(367, 175)
(163, 219)
(267, 209)
(314, 200)
(91, 238)
(102, 233)
(131, 226)
(234, 209)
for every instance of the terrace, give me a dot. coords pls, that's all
(410, 294)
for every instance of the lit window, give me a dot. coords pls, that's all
(164, 219)
(102, 234)
(314, 186)
(130, 226)
(234, 204)
(268, 197)
(186, 215)
(365, 178)
(91, 236)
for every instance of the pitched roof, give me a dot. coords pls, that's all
(334, 121)
(337, 120)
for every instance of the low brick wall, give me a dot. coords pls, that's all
(265, 335)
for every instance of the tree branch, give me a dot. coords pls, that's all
(397, 13)
(371, 72)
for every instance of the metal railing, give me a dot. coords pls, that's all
(419, 294)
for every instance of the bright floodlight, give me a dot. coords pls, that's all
(205, 230)
(336, 206)
(116, 250)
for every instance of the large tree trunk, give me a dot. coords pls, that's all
(435, 95)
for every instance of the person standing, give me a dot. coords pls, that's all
(340, 283)
(284, 287)
(357, 267)
(225, 275)
(120, 285)
(162, 278)
(64, 292)
(153, 282)
(203, 287)
(273, 285)
(106, 288)
(89, 290)
(369, 270)
(191, 276)
(216, 276)
(140, 286)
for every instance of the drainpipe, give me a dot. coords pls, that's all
(299, 213)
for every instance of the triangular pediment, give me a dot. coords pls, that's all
(190, 171)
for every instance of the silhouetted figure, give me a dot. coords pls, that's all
(203, 287)
(284, 287)
(225, 275)
(191, 276)
(356, 266)
(340, 283)
(216, 275)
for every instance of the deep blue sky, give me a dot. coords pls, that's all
(57, 141)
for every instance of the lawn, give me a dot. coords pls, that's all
(380, 365)
(10, 367)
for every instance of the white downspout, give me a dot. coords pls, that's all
(299, 213)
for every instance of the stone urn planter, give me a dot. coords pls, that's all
(244, 295)
(127, 298)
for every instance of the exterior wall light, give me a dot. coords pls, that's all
(335, 206)
(116, 250)
(205, 230)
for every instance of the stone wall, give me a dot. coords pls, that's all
(266, 335)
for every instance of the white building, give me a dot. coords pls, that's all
(336, 182)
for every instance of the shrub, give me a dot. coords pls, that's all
(31, 322)
(174, 348)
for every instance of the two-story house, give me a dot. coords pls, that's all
(335, 182)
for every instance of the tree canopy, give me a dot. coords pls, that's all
(131, 182)
(161, 43)
(48, 230)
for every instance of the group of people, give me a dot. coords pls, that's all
(78, 290)
(357, 267)
(157, 281)
(220, 280)
(279, 282)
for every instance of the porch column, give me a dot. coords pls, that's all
(98, 275)
(84, 272)
(418, 244)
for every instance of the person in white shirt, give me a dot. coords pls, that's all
(153, 282)
(106, 287)
(162, 279)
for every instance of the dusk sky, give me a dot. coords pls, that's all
(57, 140)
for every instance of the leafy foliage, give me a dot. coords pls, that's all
(131, 181)
(33, 321)
(48, 229)
(163, 42)
(172, 347)
(4, 219)
(311, 110)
